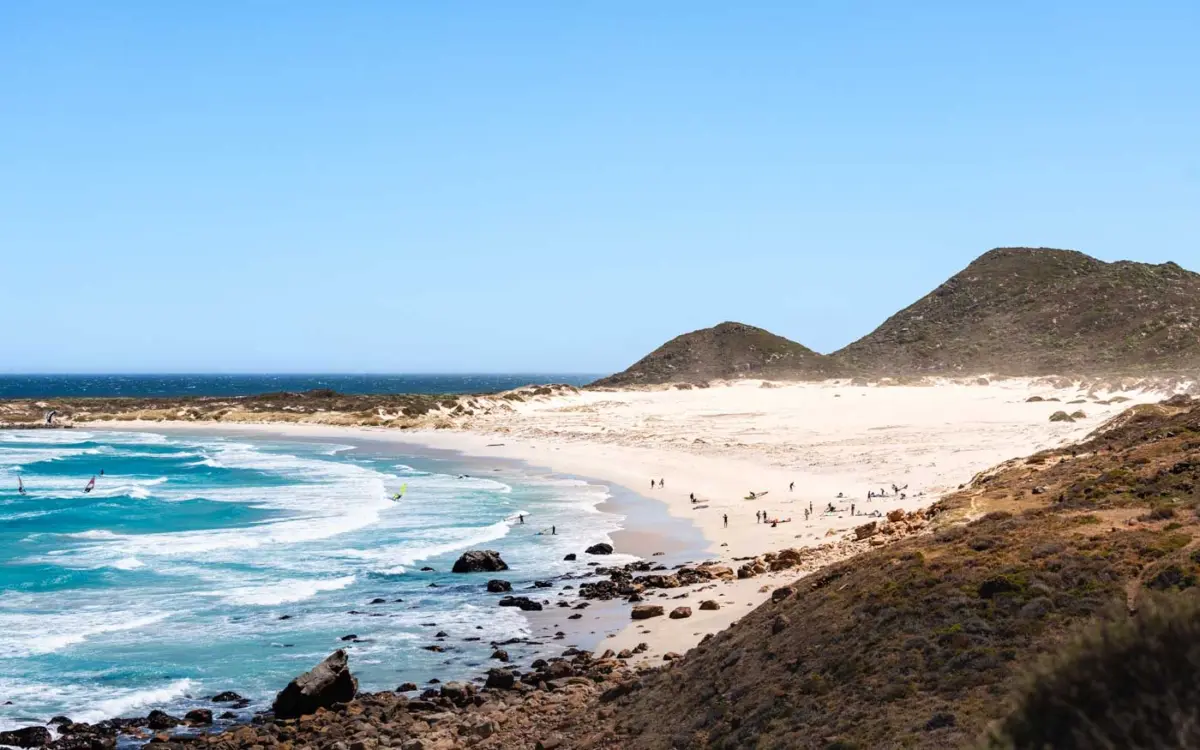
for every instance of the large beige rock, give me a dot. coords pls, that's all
(646, 611)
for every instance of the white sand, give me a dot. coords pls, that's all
(724, 441)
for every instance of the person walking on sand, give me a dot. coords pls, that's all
(852, 509)
(791, 486)
(651, 484)
(662, 484)
(726, 517)
(692, 496)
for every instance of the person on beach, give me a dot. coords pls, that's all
(521, 516)
(775, 523)
(662, 484)
(726, 517)
(810, 506)
(553, 531)
(852, 509)
(651, 484)
(758, 516)
(692, 496)
(791, 486)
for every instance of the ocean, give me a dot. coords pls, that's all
(202, 563)
(168, 386)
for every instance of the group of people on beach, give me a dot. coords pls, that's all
(763, 517)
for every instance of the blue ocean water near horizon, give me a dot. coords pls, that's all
(176, 385)
(203, 563)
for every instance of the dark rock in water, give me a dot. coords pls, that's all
(327, 683)
(161, 720)
(406, 687)
(600, 549)
(198, 717)
(570, 557)
(377, 600)
(500, 679)
(542, 584)
(498, 586)
(59, 720)
(351, 637)
(243, 703)
(226, 697)
(500, 655)
(479, 561)
(525, 603)
(575, 616)
(435, 648)
(428, 569)
(227, 716)
(435, 681)
(27, 737)
(441, 634)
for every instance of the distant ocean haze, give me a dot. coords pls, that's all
(172, 386)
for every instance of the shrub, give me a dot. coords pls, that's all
(1130, 683)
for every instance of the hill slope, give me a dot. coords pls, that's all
(1037, 311)
(728, 350)
(923, 643)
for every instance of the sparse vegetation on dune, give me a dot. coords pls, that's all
(322, 406)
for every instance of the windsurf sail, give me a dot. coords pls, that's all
(20, 485)
(91, 485)
(400, 494)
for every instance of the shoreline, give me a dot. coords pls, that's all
(835, 441)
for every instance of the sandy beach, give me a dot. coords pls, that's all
(836, 442)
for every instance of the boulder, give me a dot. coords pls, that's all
(500, 679)
(327, 683)
(523, 602)
(895, 516)
(479, 561)
(27, 737)
(496, 586)
(646, 611)
(709, 604)
(680, 613)
(161, 720)
(1061, 416)
(500, 655)
(406, 687)
(226, 697)
(570, 557)
(779, 624)
(866, 530)
(600, 549)
(200, 717)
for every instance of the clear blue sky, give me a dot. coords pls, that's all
(558, 186)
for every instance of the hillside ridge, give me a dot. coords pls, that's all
(724, 351)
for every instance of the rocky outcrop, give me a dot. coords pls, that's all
(496, 586)
(603, 548)
(328, 683)
(523, 602)
(479, 561)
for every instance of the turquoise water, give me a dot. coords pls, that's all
(168, 582)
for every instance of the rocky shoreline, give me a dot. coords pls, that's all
(505, 706)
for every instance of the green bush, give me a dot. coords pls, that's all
(1131, 683)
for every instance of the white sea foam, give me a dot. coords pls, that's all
(279, 592)
(34, 634)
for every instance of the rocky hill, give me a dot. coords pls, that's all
(1035, 311)
(728, 350)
